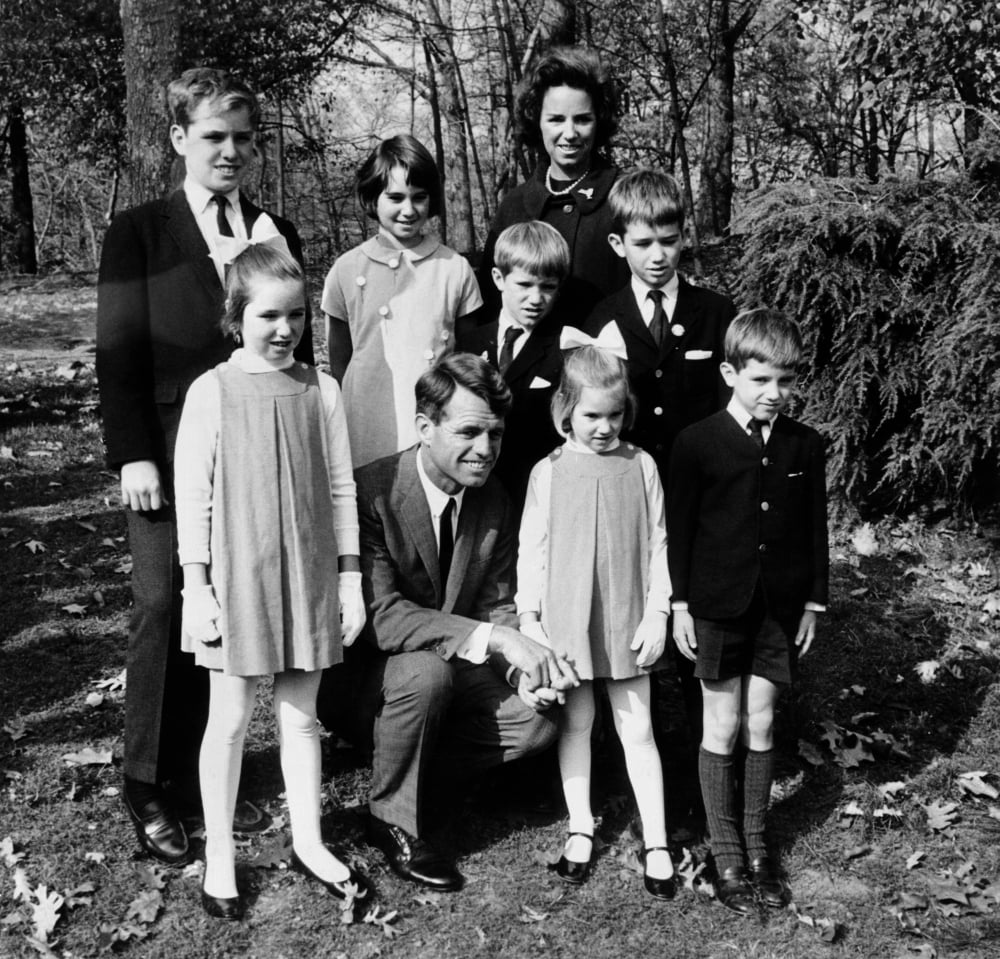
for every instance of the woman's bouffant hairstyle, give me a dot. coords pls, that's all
(576, 67)
(407, 152)
(256, 261)
(600, 370)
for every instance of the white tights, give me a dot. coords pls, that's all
(230, 707)
(630, 699)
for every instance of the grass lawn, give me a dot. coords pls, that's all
(885, 813)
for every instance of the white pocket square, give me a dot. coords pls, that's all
(794, 475)
(538, 383)
(698, 355)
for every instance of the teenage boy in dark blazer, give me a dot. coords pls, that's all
(531, 261)
(673, 331)
(748, 557)
(160, 297)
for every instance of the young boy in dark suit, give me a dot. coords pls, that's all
(673, 331)
(531, 261)
(747, 550)
(160, 297)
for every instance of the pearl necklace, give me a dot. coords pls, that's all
(569, 189)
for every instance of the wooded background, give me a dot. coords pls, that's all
(731, 96)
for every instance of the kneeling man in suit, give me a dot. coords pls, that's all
(453, 683)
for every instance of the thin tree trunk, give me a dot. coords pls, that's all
(25, 257)
(435, 105)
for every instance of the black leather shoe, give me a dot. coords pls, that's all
(231, 909)
(249, 818)
(157, 826)
(770, 889)
(339, 889)
(412, 858)
(571, 871)
(658, 888)
(734, 891)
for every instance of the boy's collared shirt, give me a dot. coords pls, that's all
(205, 211)
(743, 418)
(475, 648)
(505, 323)
(646, 306)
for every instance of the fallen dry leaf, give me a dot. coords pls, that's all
(88, 756)
(941, 815)
(916, 859)
(45, 912)
(864, 541)
(972, 782)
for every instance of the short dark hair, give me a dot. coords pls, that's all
(766, 335)
(198, 84)
(437, 385)
(535, 247)
(579, 68)
(649, 197)
(255, 261)
(600, 370)
(407, 152)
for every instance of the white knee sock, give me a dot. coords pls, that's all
(574, 765)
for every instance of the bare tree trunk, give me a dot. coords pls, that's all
(25, 257)
(435, 104)
(151, 33)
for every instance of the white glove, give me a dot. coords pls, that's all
(200, 614)
(352, 606)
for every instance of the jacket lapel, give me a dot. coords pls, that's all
(687, 314)
(532, 353)
(416, 516)
(639, 342)
(181, 225)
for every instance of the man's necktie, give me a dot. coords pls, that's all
(507, 350)
(756, 428)
(220, 215)
(446, 541)
(658, 324)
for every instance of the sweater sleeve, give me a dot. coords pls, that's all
(658, 593)
(194, 467)
(341, 472)
(532, 551)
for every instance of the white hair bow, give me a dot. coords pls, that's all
(227, 248)
(610, 339)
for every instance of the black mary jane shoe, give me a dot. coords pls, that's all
(658, 888)
(229, 909)
(733, 890)
(568, 870)
(771, 891)
(338, 889)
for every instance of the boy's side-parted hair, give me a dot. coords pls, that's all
(257, 260)
(765, 335)
(600, 370)
(649, 197)
(535, 247)
(194, 86)
(437, 385)
(407, 152)
(579, 68)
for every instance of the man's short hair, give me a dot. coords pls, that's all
(198, 84)
(766, 335)
(535, 247)
(437, 385)
(649, 197)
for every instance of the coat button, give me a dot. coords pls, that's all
(658, 410)
(765, 506)
(762, 548)
(394, 263)
(361, 281)
(764, 461)
(383, 311)
(658, 374)
(568, 208)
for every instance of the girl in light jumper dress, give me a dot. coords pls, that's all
(593, 585)
(268, 540)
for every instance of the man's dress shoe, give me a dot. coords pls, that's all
(734, 891)
(770, 889)
(412, 858)
(157, 826)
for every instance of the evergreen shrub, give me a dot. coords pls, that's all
(897, 288)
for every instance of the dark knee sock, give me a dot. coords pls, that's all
(757, 777)
(717, 774)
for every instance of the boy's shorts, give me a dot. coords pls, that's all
(751, 644)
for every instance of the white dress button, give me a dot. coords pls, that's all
(394, 263)
(361, 281)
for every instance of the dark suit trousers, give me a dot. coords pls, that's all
(434, 718)
(166, 694)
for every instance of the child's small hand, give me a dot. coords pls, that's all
(352, 606)
(684, 636)
(538, 699)
(200, 613)
(806, 632)
(650, 638)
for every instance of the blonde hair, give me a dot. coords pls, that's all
(600, 370)
(766, 335)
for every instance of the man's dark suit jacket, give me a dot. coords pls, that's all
(158, 311)
(737, 516)
(681, 383)
(409, 608)
(533, 377)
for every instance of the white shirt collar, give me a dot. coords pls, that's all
(437, 499)
(575, 446)
(252, 363)
(742, 417)
(200, 197)
(504, 324)
(641, 290)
